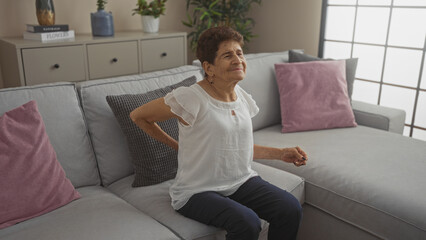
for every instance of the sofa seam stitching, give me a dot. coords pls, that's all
(22, 88)
(86, 124)
(135, 80)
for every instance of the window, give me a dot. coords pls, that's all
(389, 39)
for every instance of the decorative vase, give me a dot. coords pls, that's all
(150, 24)
(102, 23)
(45, 12)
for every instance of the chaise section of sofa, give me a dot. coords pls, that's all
(368, 178)
(98, 214)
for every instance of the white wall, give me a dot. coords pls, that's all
(281, 24)
(287, 24)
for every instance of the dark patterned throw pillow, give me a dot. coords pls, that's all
(154, 162)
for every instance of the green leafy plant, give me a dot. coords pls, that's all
(101, 4)
(208, 13)
(154, 8)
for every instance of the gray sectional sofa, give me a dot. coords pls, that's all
(365, 182)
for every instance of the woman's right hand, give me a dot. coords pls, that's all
(294, 155)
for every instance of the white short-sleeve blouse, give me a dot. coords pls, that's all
(216, 148)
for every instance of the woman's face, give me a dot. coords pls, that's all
(229, 64)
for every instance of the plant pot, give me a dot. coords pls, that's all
(102, 23)
(45, 12)
(150, 24)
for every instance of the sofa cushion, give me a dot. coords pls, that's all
(313, 95)
(350, 66)
(109, 141)
(154, 162)
(156, 202)
(59, 107)
(29, 170)
(371, 178)
(97, 215)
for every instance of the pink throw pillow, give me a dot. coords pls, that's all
(32, 181)
(313, 95)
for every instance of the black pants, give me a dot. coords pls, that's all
(239, 214)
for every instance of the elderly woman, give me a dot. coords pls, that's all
(215, 183)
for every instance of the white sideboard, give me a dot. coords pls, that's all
(29, 62)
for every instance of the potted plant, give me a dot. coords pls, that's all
(102, 21)
(208, 13)
(150, 14)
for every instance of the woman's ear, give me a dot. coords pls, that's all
(208, 68)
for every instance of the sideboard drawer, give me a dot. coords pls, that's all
(53, 64)
(158, 54)
(112, 59)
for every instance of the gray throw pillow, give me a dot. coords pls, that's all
(351, 65)
(154, 162)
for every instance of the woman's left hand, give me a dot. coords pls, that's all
(294, 155)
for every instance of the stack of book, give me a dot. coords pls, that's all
(48, 33)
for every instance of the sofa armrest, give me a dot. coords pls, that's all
(375, 116)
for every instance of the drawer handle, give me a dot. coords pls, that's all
(56, 66)
(164, 54)
(115, 60)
